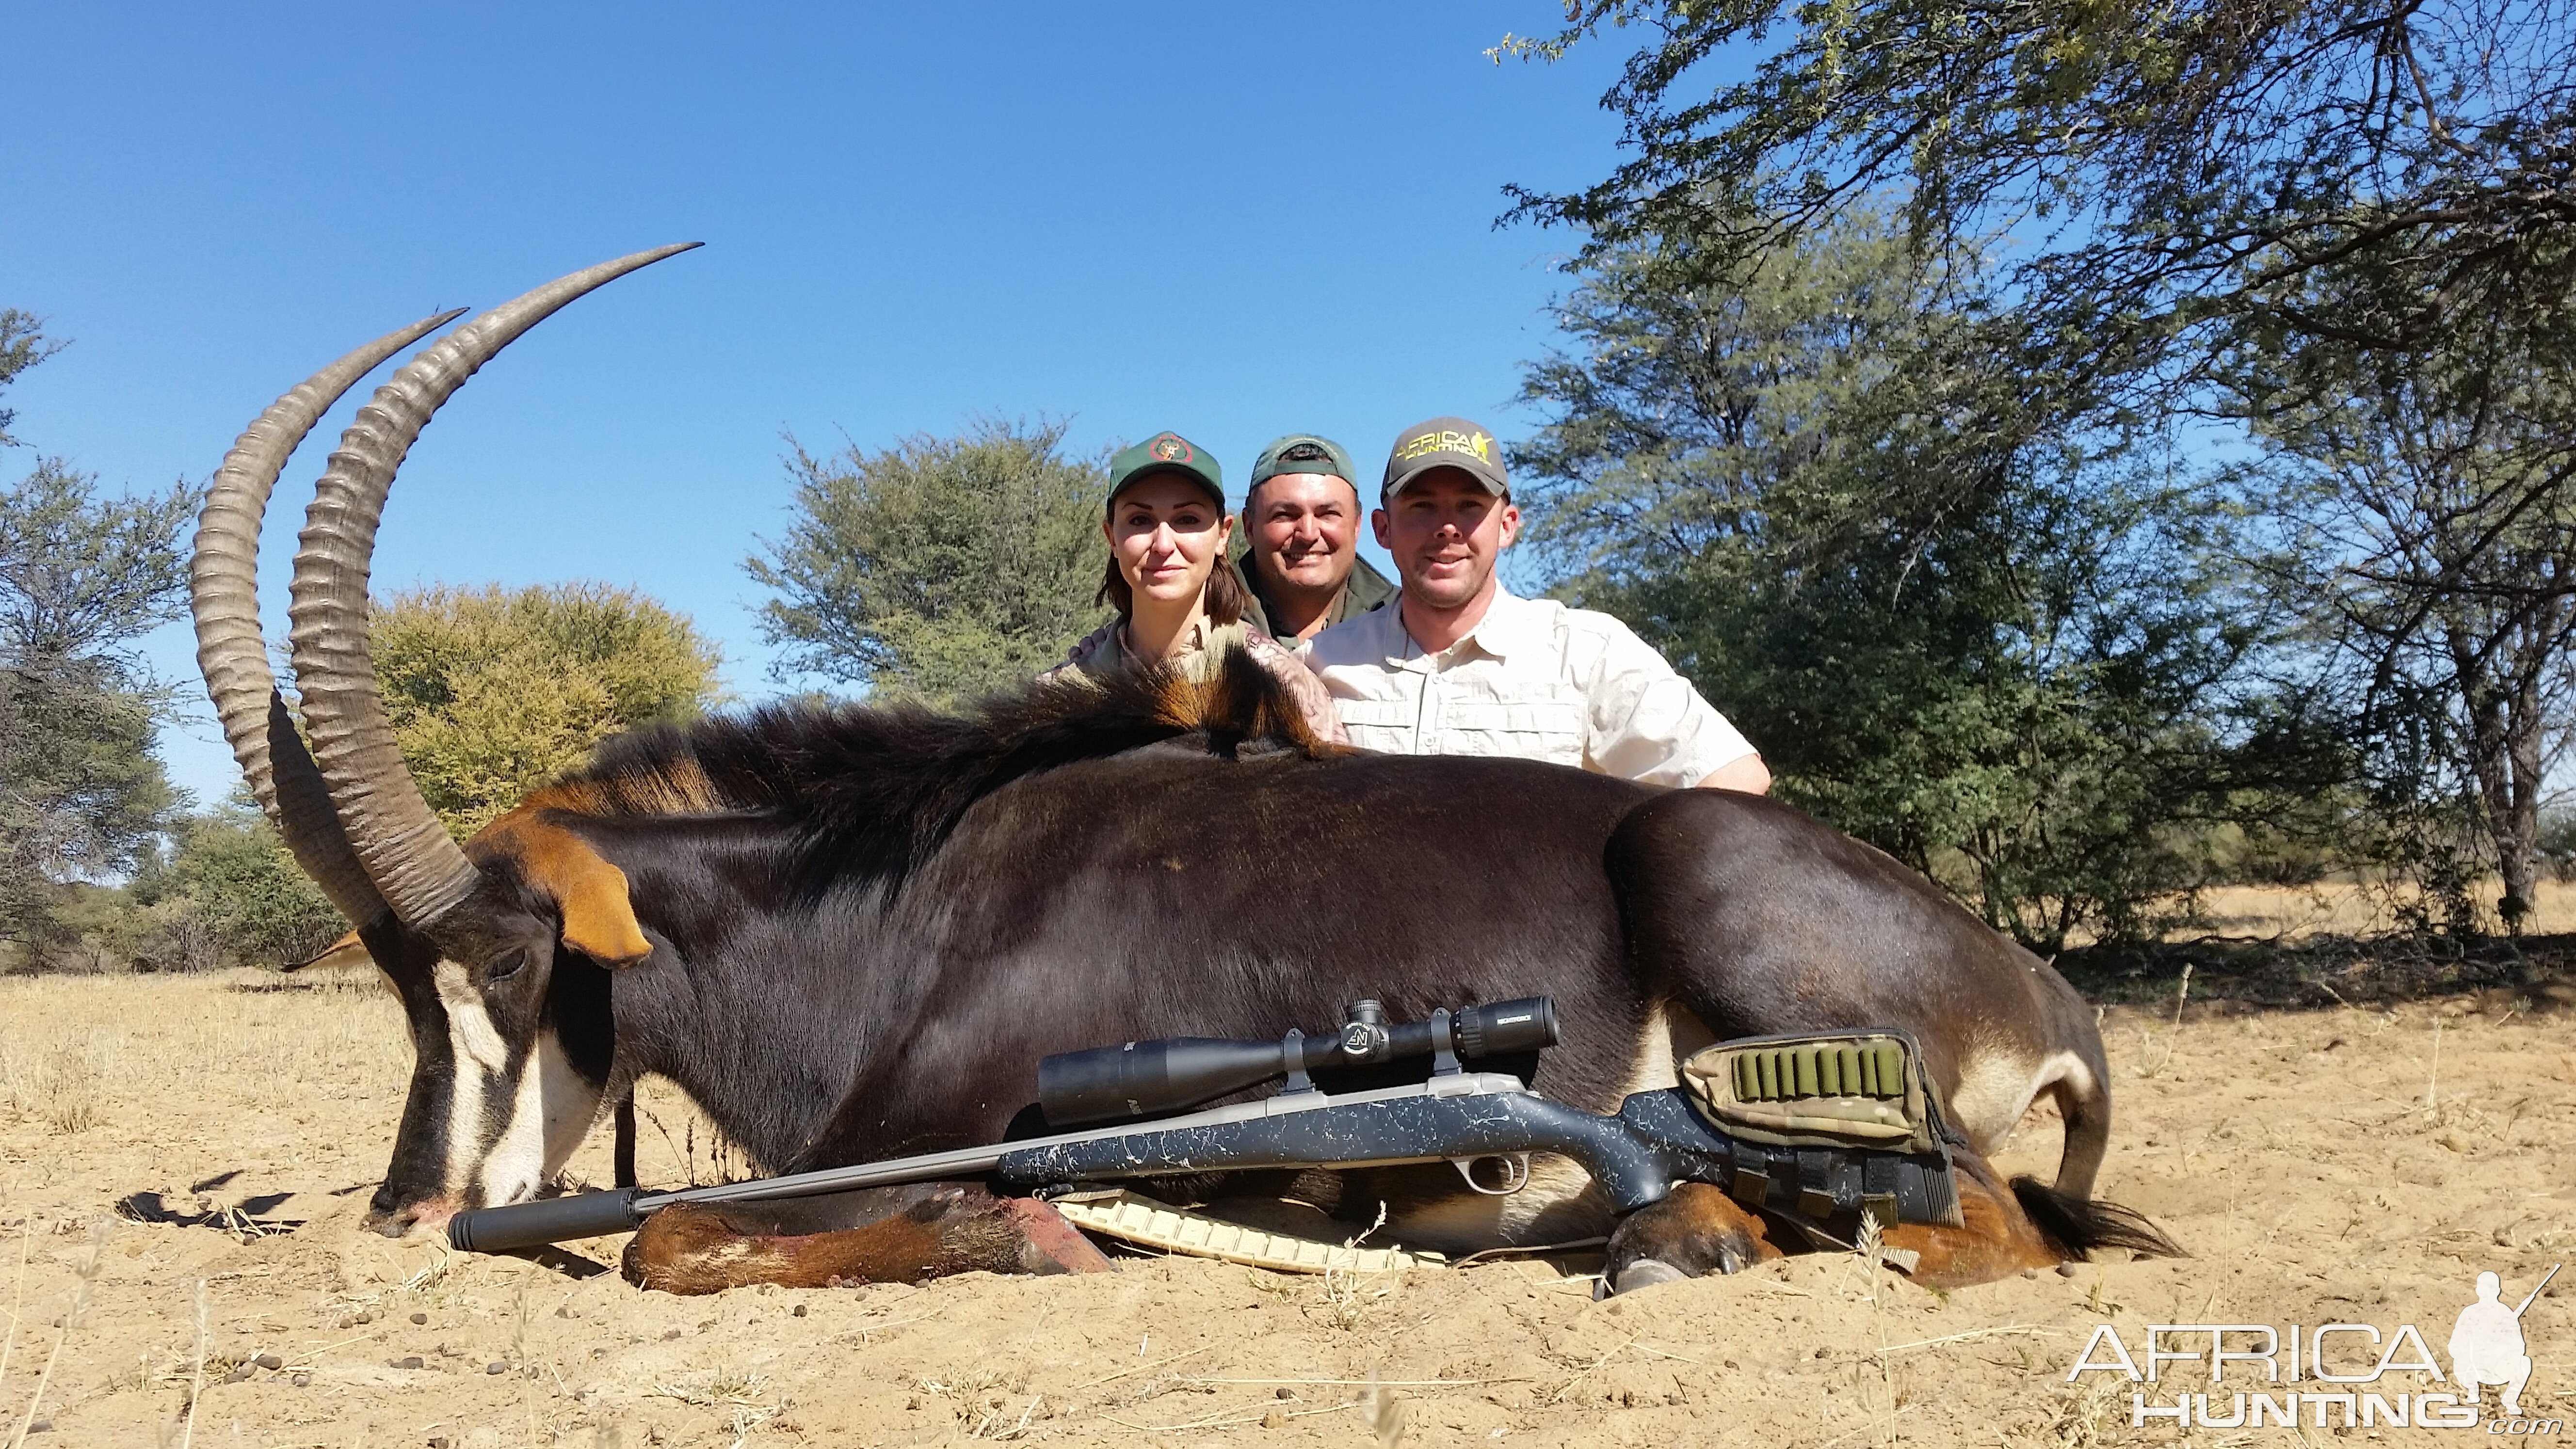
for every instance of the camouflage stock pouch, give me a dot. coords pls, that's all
(1862, 1089)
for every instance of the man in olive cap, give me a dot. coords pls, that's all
(1460, 665)
(1301, 530)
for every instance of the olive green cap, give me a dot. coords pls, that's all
(1335, 461)
(1445, 443)
(1166, 453)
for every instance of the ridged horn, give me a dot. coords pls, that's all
(415, 865)
(232, 652)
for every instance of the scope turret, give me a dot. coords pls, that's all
(1141, 1078)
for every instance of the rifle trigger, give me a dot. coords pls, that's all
(1292, 1051)
(1512, 1170)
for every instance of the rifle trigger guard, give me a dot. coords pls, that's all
(1512, 1167)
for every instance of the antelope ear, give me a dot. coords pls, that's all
(347, 951)
(598, 917)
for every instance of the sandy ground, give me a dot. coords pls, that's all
(2355, 1165)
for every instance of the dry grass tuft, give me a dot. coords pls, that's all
(63, 1085)
(739, 1395)
(981, 1400)
(2087, 1417)
(1348, 1293)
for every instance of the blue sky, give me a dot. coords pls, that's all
(1224, 220)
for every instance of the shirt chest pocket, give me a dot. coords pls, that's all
(1391, 714)
(1550, 729)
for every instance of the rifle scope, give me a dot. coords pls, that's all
(1142, 1078)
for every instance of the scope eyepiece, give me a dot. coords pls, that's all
(1506, 1026)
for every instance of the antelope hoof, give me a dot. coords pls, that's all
(1696, 1230)
(1646, 1273)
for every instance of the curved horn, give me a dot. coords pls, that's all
(233, 654)
(407, 852)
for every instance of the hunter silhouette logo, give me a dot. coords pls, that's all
(1170, 448)
(2486, 1344)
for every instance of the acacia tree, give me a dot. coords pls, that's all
(1960, 626)
(2330, 220)
(2165, 167)
(23, 344)
(82, 576)
(2429, 504)
(232, 879)
(940, 567)
(492, 691)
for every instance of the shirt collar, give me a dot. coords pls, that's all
(1504, 628)
(1191, 643)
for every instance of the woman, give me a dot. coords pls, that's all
(1177, 601)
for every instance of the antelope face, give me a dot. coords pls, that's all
(512, 1045)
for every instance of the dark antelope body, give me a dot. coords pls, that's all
(850, 933)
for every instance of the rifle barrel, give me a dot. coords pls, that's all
(590, 1214)
(2538, 1289)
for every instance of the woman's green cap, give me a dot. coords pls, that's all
(1166, 453)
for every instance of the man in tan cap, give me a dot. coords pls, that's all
(1459, 665)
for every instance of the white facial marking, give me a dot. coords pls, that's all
(480, 1059)
(549, 1114)
(549, 1108)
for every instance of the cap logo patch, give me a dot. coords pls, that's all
(1170, 448)
(1478, 445)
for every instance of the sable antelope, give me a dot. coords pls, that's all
(850, 933)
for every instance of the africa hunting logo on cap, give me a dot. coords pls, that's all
(1445, 443)
(1166, 452)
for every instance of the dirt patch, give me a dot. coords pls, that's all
(2345, 1164)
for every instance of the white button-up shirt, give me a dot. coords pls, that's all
(1534, 680)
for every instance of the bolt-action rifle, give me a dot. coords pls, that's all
(1818, 1129)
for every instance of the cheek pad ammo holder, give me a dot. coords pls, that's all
(1844, 1123)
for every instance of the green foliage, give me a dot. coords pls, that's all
(23, 344)
(235, 878)
(492, 692)
(226, 894)
(2558, 843)
(81, 577)
(1959, 626)
(2345, 228)
(2171, 175)
(2427, 529)
(940, 567)
(81, 795)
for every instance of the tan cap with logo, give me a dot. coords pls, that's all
(1445, 443)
